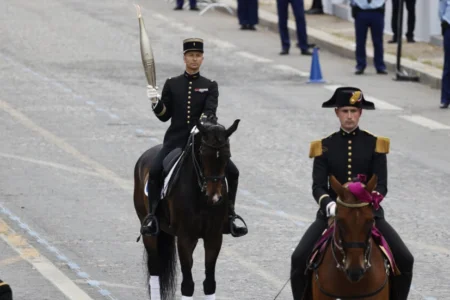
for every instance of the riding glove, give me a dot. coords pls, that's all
(152, 94)
(331, 209)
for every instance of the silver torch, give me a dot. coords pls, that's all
(146, 51)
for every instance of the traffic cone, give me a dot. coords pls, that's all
(315, 76)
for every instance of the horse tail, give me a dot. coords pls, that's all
(167, 263)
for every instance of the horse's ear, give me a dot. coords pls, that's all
(232, 128)
(201, 127)
(337, 186)
(372, 184)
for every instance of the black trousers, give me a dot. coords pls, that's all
(232, 172)
(402, 256)
(411, 8)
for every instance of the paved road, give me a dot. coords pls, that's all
(74, 118)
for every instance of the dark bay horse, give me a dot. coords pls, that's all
(353, 266)
(195, 208)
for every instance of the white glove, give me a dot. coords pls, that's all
(331, 209)
(152, 94)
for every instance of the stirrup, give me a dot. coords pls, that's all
(242, 230)
(146, 229)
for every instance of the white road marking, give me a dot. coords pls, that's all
(60, 143)
(253, 57)
(51, 164)
(221, 43)
(115, 285)
(425, 122)
(290, 69)
(379, 104)
(41, 263)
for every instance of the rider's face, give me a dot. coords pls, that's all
(349, 117)
(193, 60)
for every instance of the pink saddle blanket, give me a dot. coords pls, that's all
(326, 238)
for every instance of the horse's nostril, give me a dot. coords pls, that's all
(355, 274)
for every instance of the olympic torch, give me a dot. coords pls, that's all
(146, 51)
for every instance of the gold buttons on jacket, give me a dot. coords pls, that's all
(349, 166)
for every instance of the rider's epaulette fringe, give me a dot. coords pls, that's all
(315, 148)
(382, 145)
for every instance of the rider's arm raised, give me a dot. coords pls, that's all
(163, 108)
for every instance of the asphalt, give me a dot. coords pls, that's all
(74, 118)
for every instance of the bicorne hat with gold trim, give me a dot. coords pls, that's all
(348, 96)
(193, 44)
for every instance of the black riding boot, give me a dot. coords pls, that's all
(232, 216)
(5, 291)
(150, 225)
(401, 285)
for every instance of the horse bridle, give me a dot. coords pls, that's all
(201, 179)
(342, 245)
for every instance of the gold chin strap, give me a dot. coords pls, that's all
(352, 205)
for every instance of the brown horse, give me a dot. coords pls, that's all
(353, 266)
(196, 207)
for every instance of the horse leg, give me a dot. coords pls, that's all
(186, 247)
(212, 250)
(161, 266)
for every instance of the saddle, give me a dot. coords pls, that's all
(316, 257)
(172, 164)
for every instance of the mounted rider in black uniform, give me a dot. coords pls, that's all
(346, 154)
(185, 99)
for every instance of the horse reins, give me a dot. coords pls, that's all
(353, 297)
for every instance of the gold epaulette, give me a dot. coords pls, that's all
(382, 145)
(315, 148)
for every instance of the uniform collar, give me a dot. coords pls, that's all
(191, 76)
(344, 133)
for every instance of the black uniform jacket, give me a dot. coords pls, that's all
(184, 99)
(345, 155)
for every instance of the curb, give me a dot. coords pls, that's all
(428, 75)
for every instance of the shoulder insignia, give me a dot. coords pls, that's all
(315, 149)
(382, 145)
